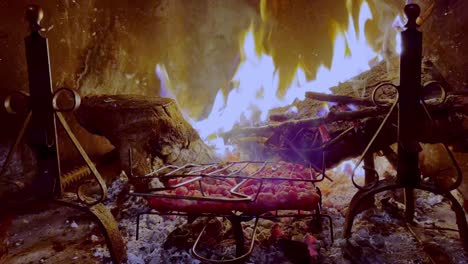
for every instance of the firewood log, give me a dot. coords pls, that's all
(152, 128)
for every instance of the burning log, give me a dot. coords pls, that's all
(342, 99)
(299, 140)
(153, 128)
(304, 123)
(353, 120)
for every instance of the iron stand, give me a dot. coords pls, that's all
(40, 126)
(411, 111)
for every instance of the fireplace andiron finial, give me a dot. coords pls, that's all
(40, 126)
(410, 105)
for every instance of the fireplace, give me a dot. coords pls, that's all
(235, 132)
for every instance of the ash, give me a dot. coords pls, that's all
(379, 233)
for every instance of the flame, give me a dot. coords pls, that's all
(399, 26)
(256, 81)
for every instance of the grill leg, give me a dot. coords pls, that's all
(238, 235)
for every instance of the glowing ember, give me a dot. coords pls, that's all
(323, 129)
(256, 80)
(348, 166)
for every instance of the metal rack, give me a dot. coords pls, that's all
(233, 170)
(242, 172)
(409, 103)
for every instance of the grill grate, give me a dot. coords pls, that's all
(238, 174)
(242, 172)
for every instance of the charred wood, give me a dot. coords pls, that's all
(342, 99)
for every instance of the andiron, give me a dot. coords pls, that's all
(40, 132)
(409, 105)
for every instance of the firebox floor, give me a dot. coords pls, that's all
(55, 235)
(61, 234)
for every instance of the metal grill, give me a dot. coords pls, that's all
(242, 172)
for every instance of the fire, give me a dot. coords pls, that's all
(399, 26)
(256, 81)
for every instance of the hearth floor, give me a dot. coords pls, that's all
(59, 234)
